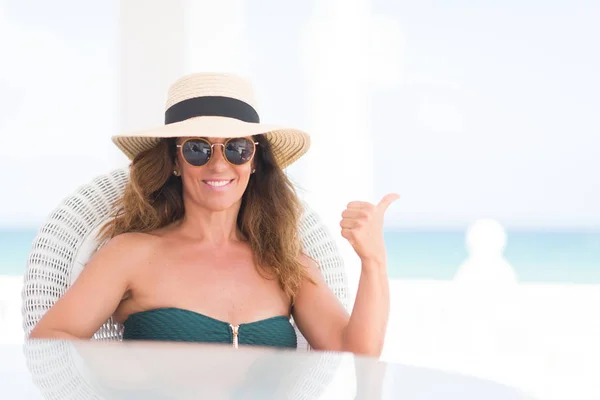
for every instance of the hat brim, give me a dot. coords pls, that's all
(288, 144)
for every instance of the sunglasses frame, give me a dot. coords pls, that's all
(212, 150)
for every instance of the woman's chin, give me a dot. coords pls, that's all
(219, 205)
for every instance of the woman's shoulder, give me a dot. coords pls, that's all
(309, 263)
(129, 246)
(138, 239)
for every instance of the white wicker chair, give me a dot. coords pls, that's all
(67, 240)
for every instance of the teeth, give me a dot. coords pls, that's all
(217, 183)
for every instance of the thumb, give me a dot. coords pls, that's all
(387, 200)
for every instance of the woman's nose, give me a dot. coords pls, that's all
(218, 159)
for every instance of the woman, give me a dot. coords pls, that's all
(204, 243)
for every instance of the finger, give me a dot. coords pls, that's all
(387, 200)
(349, 223)
(360, 205)
(355, 213)
(347, 233)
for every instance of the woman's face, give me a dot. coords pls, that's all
(217, 185)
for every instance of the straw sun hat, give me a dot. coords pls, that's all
(215, 105)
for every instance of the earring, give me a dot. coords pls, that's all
(175, 172)
(253, 171)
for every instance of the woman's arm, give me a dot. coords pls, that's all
(96, 293)
(327, 326)
(366, 329)
(317, 312)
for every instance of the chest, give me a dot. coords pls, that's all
(222, 284)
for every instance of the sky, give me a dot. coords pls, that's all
(466, 110)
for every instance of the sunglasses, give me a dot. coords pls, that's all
(237, 151)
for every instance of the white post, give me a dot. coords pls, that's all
(339, 166)
(348, 50)
(152, 40)
(215, 39)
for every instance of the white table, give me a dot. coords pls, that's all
(135, 370)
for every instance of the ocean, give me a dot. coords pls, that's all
(536, 256)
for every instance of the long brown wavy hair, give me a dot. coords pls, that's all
(268, 217)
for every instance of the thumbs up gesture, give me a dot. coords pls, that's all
(362, 226)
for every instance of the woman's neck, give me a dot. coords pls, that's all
(215, 227)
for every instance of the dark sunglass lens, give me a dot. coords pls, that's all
(239, 151)
(196, 152)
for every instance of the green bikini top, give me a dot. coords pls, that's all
(180, 325)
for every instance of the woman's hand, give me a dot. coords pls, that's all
(320, 316)
(362, 226)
